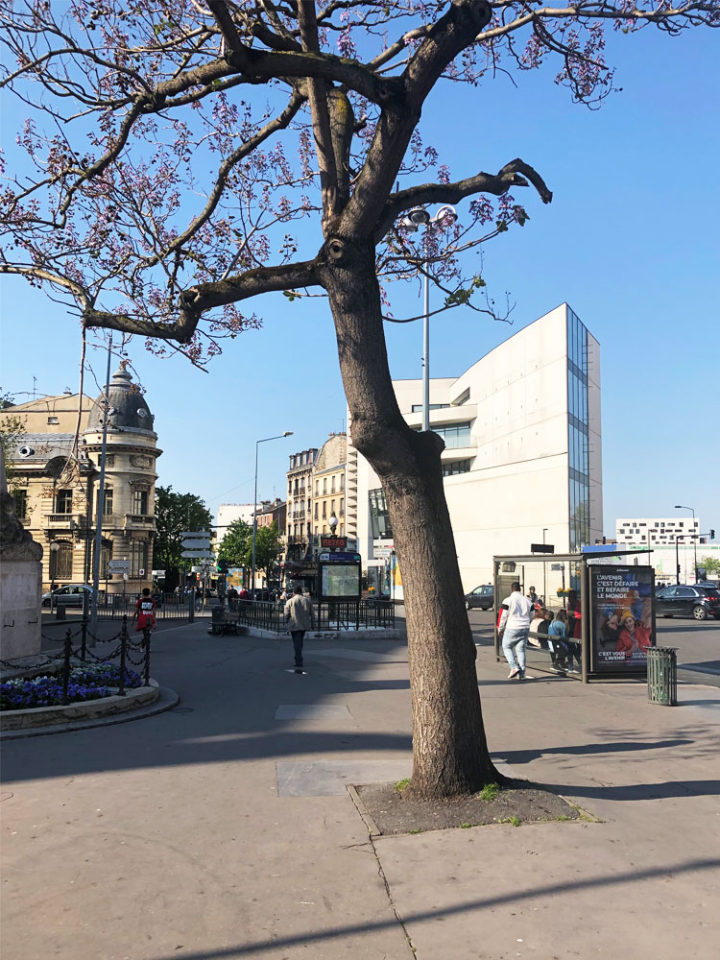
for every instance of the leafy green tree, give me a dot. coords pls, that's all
(234, 547)
(267, 547)
(174, 514)
(711, 564)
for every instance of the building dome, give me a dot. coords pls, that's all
(128, 409)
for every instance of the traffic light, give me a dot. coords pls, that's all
(222, 566)
(712, 534)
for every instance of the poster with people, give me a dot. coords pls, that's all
(622, 617)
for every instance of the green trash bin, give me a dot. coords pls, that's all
(662, 675)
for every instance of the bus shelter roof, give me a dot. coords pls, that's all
(566, 557)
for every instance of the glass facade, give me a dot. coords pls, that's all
(379, 518)
(454, 434)
(578, 432)
(450, 468)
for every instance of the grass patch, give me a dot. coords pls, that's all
(401, 784)
(489, 791)
(515, 821)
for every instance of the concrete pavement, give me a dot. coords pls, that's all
(223, 829)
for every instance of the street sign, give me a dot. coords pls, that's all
(196, 555)
(333, 543)
(542, 548)
(158, 574)
(339, 557)
(196, 534)
(118, 566)
(383, 551)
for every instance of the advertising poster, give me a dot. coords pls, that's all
(622, 617)
(339, 581)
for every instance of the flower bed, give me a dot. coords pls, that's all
(86, 683)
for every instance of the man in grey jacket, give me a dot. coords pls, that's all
(301, 617)
(514, 627)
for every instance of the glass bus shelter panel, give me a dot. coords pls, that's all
(622, 618)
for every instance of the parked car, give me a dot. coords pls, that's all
(482, 596)
(681, 600)
(70, 595)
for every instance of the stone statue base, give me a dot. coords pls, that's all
(20, 619)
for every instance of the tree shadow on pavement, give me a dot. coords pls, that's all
(489, 903)
(586, 749)
(639, 791)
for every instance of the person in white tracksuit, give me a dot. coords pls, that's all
(514, 627)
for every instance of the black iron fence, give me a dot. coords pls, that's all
(127, 650)
(350, 615)
(116, 606)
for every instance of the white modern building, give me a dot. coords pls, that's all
(230, 512)
(679, 545)
(522, 458)
(664, 531)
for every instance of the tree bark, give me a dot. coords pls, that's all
(450, 753)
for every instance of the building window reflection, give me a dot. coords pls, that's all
(379, 518)
(578, 432)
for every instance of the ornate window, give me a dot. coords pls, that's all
(138, 559)
(20, 498)
(61, 560)
(107, 501)
(63, 501)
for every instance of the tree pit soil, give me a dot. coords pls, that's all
(393, 811)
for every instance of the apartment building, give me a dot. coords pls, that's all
(299, 504)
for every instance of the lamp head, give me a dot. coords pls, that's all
(418, 217)
(446, 215)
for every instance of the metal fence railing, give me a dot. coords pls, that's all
(167, 607)
(127, 649)
(351, 615)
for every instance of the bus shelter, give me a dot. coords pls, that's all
(609, 603)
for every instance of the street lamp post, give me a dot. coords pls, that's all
(545, 530)
(288, 433)
(100, 505)
(415, 219)
(679, 506)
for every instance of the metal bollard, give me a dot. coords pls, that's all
(123, 655)
(67, 655)
(147, 634)
(662, 675)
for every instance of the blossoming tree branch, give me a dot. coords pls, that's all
(181, 159)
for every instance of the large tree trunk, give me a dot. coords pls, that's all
(450, 754)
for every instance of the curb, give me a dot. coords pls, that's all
(372, 827)
(166, 700)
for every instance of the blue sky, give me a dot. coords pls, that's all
(630, 242)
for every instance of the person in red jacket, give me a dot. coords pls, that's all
(144, 611)
(633, 638)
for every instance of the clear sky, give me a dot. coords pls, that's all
(630, 242)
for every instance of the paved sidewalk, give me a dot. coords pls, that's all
(223, 829)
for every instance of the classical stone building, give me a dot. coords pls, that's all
(329, 481)
(299, 504)
(53, 462)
